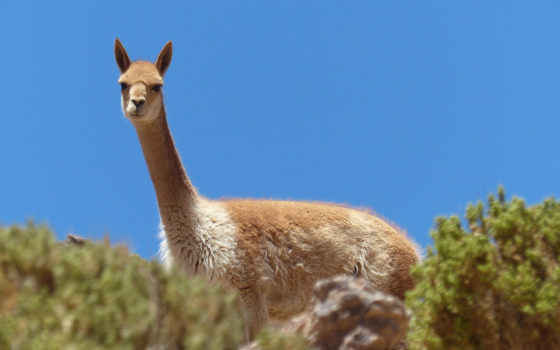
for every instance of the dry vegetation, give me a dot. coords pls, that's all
(59, 296)
(493, 285)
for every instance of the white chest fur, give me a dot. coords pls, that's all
(206, 246)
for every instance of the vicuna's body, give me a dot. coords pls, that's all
(272, 252)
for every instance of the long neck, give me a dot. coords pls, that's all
(175, 194)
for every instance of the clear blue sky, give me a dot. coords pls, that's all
(411, 108)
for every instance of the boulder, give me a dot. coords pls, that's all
(347, 312)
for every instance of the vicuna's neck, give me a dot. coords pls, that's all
(175, 194)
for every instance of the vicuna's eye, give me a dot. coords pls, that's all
(156, 88)
(123, 86)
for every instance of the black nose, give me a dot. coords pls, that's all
(138, 103)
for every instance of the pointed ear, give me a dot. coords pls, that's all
(121, 56)
(164, 59)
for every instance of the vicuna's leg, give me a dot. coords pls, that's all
(257, 313)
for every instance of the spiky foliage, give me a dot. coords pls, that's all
(269, 339)
(55, 296)
(495, 285)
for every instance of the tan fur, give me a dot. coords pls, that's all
(273, 252)
(292, 244)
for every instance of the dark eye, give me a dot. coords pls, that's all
(156, 88)
(123, 86)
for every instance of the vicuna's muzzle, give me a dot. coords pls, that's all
(137, 100)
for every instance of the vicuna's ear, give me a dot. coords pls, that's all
(121, 56)
(164, 59)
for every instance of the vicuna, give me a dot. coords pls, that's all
(272, 252)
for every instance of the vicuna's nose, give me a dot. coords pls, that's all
(138, 102)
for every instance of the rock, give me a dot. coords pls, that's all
(74, 239)
(348, 313)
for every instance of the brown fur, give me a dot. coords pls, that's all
(290, 237)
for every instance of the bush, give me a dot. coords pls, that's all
(493, 286)
(60, 296)
(269, 339)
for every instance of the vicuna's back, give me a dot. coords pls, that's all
(293, 244)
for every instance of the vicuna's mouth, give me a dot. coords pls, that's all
(136, 112)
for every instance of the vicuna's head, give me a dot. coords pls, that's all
(141, 83)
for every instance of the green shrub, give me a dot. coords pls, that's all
(269, 339)
(60, 296)
(495, 285)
